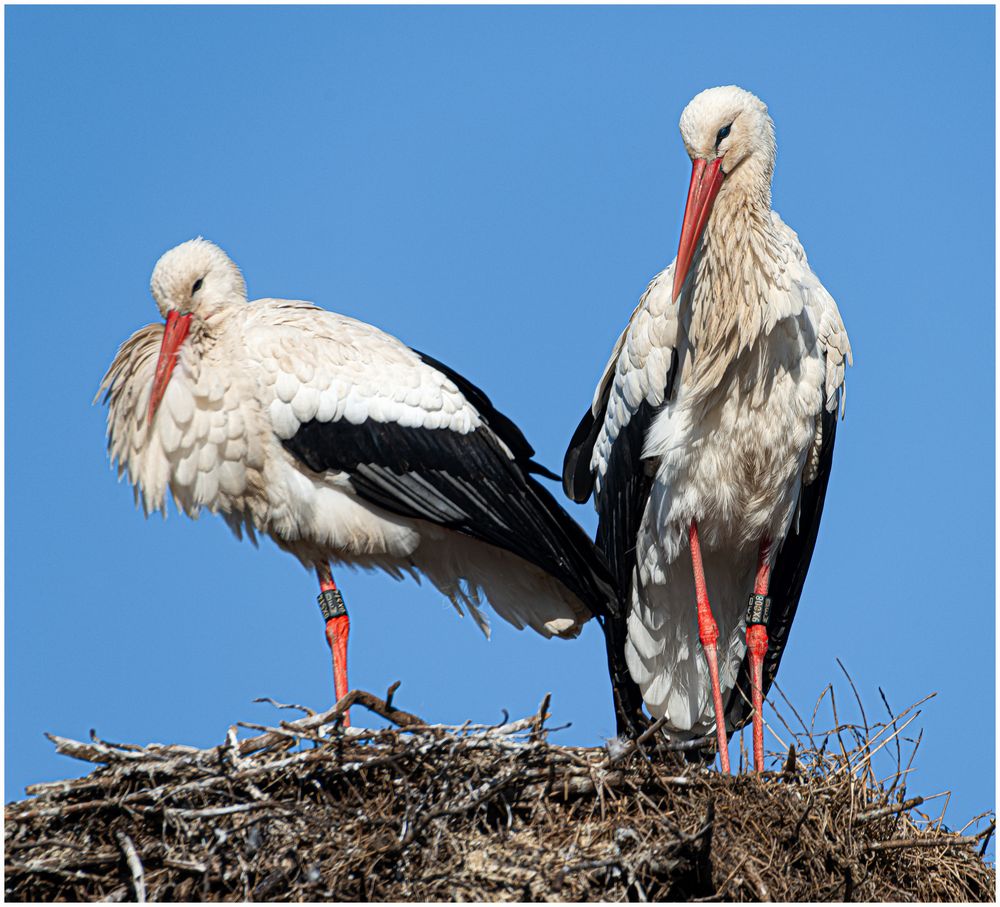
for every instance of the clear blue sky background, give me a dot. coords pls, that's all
(494, 186)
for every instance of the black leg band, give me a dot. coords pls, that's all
(331, 603)
(758, 609)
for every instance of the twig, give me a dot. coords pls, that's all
(221, 810)
(187, 865)
(776, 711)
(94, 752)
(379, 707)
(774, 733)
(944, 809)
(819, 702)
(121, 746)
(913, 755)
(974, 820)
(987, 835)
(543, 708)
(774, 683)
(883, 811)
(134, 866)
(899, 751)
(51, 811)
(951, 841)
(857, 698)
(871, 752)
(805, 812)
(758, 883)
(286, 705)
(35, 866)
(902, 715)
(720, 891)
(642, 738)
(836, 721)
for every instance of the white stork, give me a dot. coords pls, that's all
(709, 442)
(343, 445)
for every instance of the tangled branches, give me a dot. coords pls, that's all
(309, 810)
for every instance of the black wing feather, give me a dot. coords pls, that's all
(787, 578)
(620, 506)
(577, 477)
(622, 501)
(626, 484)
(464, 482)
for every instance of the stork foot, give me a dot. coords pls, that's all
(757, 646)
(712, 656)
(708, 632)
(338, 630)
(758, 612)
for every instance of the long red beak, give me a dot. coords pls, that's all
(173, 337)
(706, 178)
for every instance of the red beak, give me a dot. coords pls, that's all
(706, 178)
(173, 337)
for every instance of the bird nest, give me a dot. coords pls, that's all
(310, 810)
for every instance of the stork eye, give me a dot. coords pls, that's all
(197, 285)
(723, 132)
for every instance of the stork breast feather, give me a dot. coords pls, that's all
(186, 469)
(235, 449)
(217, 428)
(170, 434)
(216, 389)
(232, 477)
(208, 457)
(206, 488)
(179, 402)
(235, 425)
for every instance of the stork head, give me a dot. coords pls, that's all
(193, 281)
(730, 139)
(196, 278)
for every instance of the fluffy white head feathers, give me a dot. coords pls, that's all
(730, 123)
(196, 276)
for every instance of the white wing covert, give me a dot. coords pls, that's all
(637, 375)
(831, 333)
(316, 365)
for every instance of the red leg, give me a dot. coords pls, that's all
(338, 629)
(757, 647)
(708, 632)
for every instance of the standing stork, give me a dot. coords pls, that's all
(343, 445)
(709, 442)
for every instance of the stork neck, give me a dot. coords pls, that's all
(739, 244)
(737, 265)
(206, 329)
(743, 204)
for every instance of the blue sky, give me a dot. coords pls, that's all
(495, 186)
